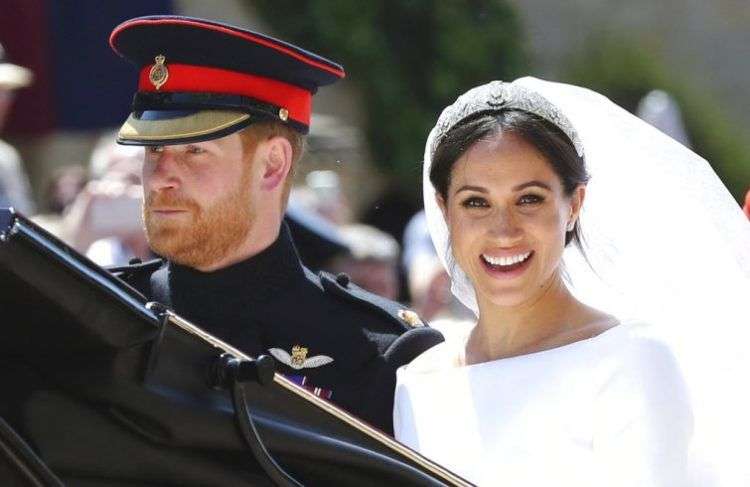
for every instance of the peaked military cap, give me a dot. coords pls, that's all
(201, 80)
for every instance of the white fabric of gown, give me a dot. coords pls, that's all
(609, 410)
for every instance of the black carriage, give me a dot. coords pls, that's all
(100, 387)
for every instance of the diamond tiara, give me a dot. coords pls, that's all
(498, 96)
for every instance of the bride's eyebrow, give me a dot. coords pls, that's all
(520, 187)
(468, 187)
(529, 184)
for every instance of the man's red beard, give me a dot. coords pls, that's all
(208, 235)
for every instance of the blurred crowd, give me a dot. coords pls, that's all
(96, 209)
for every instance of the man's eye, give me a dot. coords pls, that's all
(474, 202)
(155, 149)
(530, 199)
(192, 149)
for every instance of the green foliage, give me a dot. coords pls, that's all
(409, 58)
(625, 70)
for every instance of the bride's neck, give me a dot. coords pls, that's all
(509, 331)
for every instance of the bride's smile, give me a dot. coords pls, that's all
(506, 267)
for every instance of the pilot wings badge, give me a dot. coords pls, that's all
(298, 359)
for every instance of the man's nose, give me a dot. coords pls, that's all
(161, 170)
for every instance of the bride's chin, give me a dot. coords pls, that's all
(501, 298)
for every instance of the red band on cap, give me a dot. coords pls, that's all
(203, 79)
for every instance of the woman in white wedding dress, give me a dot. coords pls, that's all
(555, 214)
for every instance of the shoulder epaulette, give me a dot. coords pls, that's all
(341, 286)
(411, 344)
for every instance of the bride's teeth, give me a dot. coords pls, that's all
(506, 261)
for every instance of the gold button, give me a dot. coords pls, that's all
(283, 114)
(410, 317)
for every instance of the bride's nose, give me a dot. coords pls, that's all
(504, 226)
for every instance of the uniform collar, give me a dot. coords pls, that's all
(258, 277)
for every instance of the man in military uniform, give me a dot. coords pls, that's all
(222, 113)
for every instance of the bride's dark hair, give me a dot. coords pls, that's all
(549, 140)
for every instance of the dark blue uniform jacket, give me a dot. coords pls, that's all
(328, 335)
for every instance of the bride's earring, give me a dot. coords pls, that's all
(571, 225)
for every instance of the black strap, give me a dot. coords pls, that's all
(250, 433)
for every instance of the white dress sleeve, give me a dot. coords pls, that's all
(433, 359)
(642, 419)
(404, 426)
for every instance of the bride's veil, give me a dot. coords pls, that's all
(665, 243)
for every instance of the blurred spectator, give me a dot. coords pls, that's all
(104, 221)
(61, 191)
(314, 213)
(331, 200)
(63, 187)
(661, 110)
(429, 287)
(322, 194)
(373, 262)
(417, 240)
(429, 284)
(14, 184)
(317, 240)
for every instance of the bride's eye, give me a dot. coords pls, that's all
(530, 199)
(474, 202)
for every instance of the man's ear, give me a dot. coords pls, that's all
(278, 162)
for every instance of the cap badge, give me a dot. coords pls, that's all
(410, 317)
(298, 359)
(159, 72)
(283, 114)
